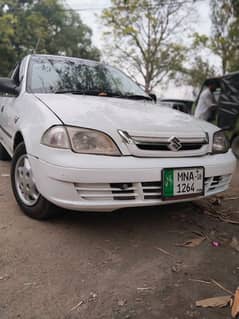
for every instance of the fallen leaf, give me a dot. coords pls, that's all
(177, 267)
(5, 277)
(121, 303)
(192, 242)
(93, 296)
(215, 302)
(235, 243)
(235, 306)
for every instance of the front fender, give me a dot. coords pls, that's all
(34, 119)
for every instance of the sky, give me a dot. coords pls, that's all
(88, 9)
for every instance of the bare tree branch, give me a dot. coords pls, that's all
(149, 27)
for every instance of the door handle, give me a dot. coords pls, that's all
(2, 108)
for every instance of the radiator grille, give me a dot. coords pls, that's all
(163, 144)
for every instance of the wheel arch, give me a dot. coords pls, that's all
(18, 138)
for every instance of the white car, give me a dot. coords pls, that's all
(83, 136)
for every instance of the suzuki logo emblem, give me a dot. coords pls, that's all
(174, 144)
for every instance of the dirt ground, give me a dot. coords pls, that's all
(117, 265)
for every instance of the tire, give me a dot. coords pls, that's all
(27, 196)
(235, 146)
(4, 156)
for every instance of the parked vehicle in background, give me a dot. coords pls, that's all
(178, 104)
(84, 136)
(226, 115)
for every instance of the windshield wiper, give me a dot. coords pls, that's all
(106, 94)
(137, 97)
(91, 92)
(88, 92)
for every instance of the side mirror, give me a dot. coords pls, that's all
(153, 97)
(8, 86)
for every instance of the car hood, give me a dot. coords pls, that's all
(107, 114)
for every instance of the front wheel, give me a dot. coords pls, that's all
(235, 146)
(24, 187)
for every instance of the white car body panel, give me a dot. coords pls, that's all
(62, 182)
(86, 111)
(58, 173)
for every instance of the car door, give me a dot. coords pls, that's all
(2, 134)
(228, 111)
(8, 111)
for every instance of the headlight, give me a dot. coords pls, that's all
(220, 143)
(81, 140)
(57, 137)
(91, 142)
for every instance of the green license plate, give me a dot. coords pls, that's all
(182, 182)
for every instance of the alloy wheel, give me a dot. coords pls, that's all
(25, 184)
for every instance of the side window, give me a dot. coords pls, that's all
(44, 76)
(18, 73)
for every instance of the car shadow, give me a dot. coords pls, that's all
(142, 219)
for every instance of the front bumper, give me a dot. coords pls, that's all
(101, 183)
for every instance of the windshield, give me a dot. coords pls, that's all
(63, 75)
